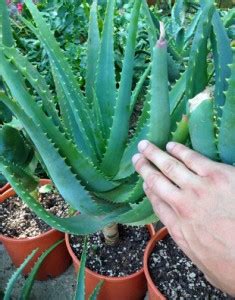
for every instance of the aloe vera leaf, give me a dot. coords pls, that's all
(177, 92)
(181, 134)
(201, 125)
(153, 33)
(99, 127)
(80, 224)
(80, 289)
(64, 74)
(71, 126)
(178, 13)
(228, 19)
(126, 167)
(50, 134)
(105, 78)
(119, 130)
(190, 30)
(222, 58)
(13, 145)
(118, 195)
(25, 293)
(37, 81)
(139, 212)
(96, 291)
(66, 181)
(6, 37)
(159, 129)
(68, 101)
(197, 78)
(226, 139)
(92, 52)
(15, 276)
(138, 88)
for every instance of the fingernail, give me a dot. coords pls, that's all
(143, 145)
(170, 146)
(135, 158)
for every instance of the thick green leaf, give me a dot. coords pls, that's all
(119, 130)
(25, 293)
(92, 52)
(80, 289)
(159, 130)
(201, 125)
(80, 224)
(105, 79)
(46, 137)
(15, 276)
(222, 57)
(226, 143)
(6, 37)
(197, 78)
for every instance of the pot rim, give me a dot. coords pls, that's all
(159, 235)
(9, 193)
(103, 277)
(5, 187)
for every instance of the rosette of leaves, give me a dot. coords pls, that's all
(82, 136)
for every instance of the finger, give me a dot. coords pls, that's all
(193, 160)
(170, 167)
(165, 213)
(156, 182)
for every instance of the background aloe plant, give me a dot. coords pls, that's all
(82, 136)
(28, 284)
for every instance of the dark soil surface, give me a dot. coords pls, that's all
(177, 277)
(120, 260)
(17, 220)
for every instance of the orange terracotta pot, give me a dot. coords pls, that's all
(132, 287)
(5, 188)
(154, 293)
(18, 249)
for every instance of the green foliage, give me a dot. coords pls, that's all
(210, 135)
(27, 287)
(28, 284)
(80, 290)
(81, 131)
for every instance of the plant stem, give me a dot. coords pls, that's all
(111, 234)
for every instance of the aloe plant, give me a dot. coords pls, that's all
(81, 137)
(27, 287)
(28, 284)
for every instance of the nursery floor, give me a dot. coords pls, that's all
(60, 288)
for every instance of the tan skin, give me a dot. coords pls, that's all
(195, 198)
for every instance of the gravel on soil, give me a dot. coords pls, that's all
(177, 277)
(123, 259)
(17, 220)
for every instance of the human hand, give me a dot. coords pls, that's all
(195, 198)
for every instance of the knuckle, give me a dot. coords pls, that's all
(152, 180)
(169, 166)
(188, 157)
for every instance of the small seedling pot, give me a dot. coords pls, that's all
(19, 248)
(154, 293)
(131, 287)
